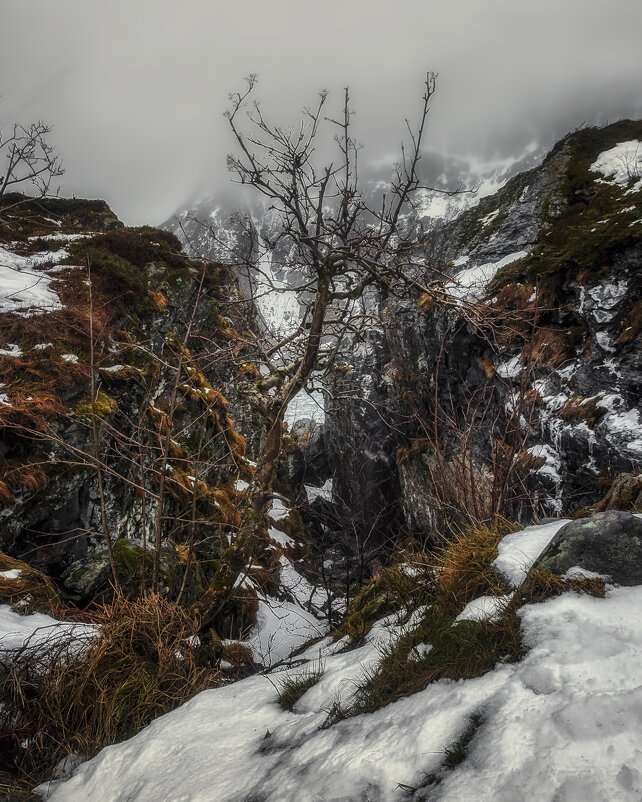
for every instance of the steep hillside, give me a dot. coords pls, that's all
(508, 380)
(91, 383)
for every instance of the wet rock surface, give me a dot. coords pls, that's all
(608, 543)
(563, 396)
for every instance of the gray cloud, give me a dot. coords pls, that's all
(136, 90)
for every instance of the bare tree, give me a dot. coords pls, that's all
(28, 160)
(338, 242)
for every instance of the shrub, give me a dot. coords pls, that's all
(142, 664)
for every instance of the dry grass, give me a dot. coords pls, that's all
(464, 567)
(31, 591)
(140, 666)
(541, 585)
(464, 649)
(632, 324)
(552, 347)
(579, 408)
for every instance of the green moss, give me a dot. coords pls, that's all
(104, 406)
(392, 590)
(113, 274)
(600, 221)
(129, 561)
(28, 217)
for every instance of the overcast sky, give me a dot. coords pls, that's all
(136, 88)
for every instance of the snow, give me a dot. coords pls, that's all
(11, 350)
(285, 624)
(324, 492)
(240, 485)
(623, 422)
(278, 510)
(488, 219)
(471, 283)
(561, 725)
(517, 552)
(552, 465)
(277, 302)
(279, 537)
(485, 608)
(621, 164)
(110, 369)
(42, 346)
(69, 358)
(21, 289)
(4, 398)
(305, 594)
(13, 573)
(281, 628)
(625, 426)
(485, 176)
(306, 404)
(510, 369)
(36, 629)
(62, 237)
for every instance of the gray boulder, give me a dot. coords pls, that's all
(608, 543)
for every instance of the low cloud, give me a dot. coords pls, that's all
(136, 91)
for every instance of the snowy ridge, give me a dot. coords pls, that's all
(560, 726)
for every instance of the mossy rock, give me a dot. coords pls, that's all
(608, 543)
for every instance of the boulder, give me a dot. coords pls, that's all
(609, 543)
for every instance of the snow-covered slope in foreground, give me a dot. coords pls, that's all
(562, 725)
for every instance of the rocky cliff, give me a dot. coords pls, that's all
(118, 358)
(509, 378)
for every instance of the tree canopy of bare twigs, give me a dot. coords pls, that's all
(337, 239)
(27, 159)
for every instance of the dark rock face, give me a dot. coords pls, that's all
(308, 464)
(361, 445)
(57, 525)
(548, 392)
(608, 543)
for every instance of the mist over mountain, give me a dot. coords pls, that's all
(136, 94)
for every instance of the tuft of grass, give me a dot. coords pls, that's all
(580, 408)
(83, 696)
(459, 649)
(464, 567)
(458, 751)
(541, 585)
(454, 755)
(293, 688)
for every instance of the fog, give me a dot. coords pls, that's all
(136, 89)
